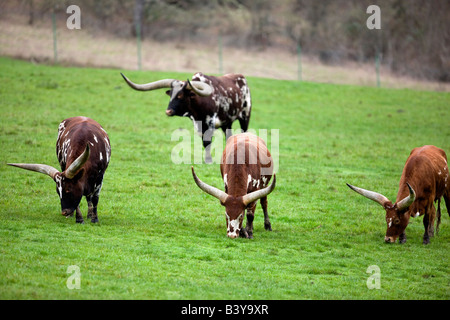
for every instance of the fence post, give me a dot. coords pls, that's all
(55, 49)
(138, 39)
(299, 62)
(377, 67)
(220, 54)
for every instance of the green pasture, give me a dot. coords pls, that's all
(160, 237)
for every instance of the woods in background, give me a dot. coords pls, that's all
(414, 38)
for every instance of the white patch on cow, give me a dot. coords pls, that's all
(233, 224)
(197, 128)
(62, 153)
(416, 214)
(390, 222)
(186, 114)
(95, 138)
(61, 128)
(256, 183)
(264, 179)
(249, 180)
(225, 179)
(101, 156)
(440, 172)
(58, 185)
(91, 143)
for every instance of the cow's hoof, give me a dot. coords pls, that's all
(80, 221)
(268, 226)
(426, 241)
(95, 220)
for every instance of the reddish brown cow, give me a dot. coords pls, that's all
(425, 179)
(246, 168)
(83, 151)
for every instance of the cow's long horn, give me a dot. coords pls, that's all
(200, 88)
(377, 197)
(407, 201)
(166, 83)
(77, 164)
(255, 195)
(219, 194)
(42, 168)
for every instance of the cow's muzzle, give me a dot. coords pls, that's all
(169, 112)
(389, 239)
(67, 212)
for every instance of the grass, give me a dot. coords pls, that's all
(160, 237)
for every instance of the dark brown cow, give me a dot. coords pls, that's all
(246, 169)
(83, 151)
(210, 102)
(425, 179)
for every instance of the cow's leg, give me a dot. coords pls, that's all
(402, 238)
(245, 116)
(267, 224)
(79, 216)
(432, 214)
(227, 131)
(426, 225)
(92, 202)
(447, 198)
(438, 215)
(207, 139)
(248, 232)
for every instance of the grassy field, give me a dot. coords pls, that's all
(160, 237)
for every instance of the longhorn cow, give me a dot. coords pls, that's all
(210, 102)
(83, 150)
(246, 169)
(425, 179)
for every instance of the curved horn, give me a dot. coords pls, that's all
(219, 194)
(377, 197)
(42, 168)
(255, 195)
(166, 83)
(200, 88)
(77, 164)
(407, 201)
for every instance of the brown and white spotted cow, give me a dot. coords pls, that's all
(425, 179)
(246, 169)
(83, 151)
(210, 102)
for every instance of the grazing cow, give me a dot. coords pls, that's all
(83, 152)
(246, 169)
(210, 102)
(425, 179)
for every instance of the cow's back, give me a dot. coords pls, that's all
(73, 136)
(426, 170)
(247, 160)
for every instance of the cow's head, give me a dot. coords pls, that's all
(180, 92)
(397, 214)
(68, 184)
(234, 206)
